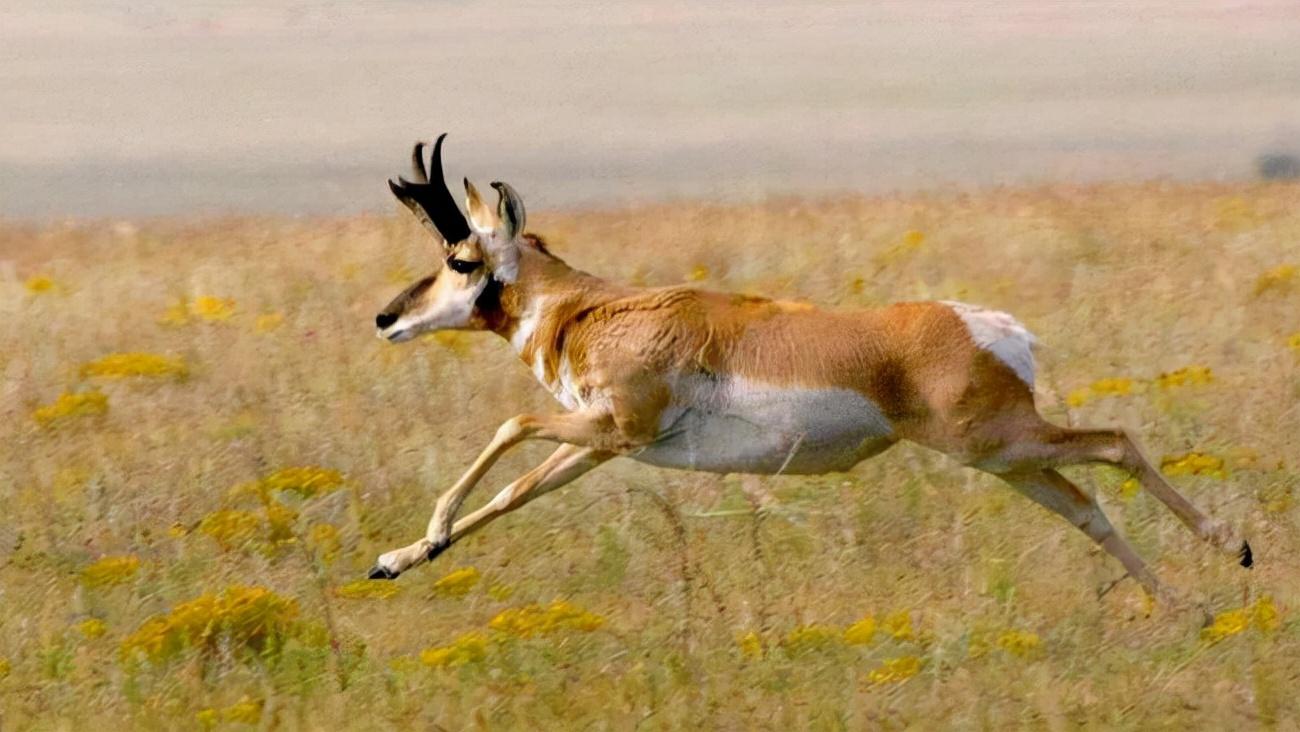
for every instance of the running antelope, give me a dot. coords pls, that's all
(683, 378)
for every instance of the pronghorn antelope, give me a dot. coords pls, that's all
(708, 381)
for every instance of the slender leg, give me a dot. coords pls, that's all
(576, 428)
(1054, 446)
(1054, 492)
(565, 464)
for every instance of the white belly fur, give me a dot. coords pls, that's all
(732, 425)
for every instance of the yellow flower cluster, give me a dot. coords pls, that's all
(1279, 279)
(244, 711)
(41, 284)
(1100, 389)
(698, 273)
(245, 618)
(1194, 463)
(468, 648)
(532, 620)
(457, 583)
(111, 571)
(325, 541)
(203, 307)
(136, 365)
(811, 639)
(1261, 615)
(92, 628)
(1022, 643)
(268, 322)
(308, 481)
(71, 404)
(1186, 376)
(750, 645)
(368, 589)
(5, 667)
(231, 529)
(896, 670)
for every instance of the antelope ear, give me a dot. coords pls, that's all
(500, 248)
(482, 219)
(510, 210)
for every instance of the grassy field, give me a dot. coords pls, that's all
(184, 523)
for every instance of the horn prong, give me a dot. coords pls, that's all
(417, 163)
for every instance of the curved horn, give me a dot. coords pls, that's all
(430, 196)
(418, 171)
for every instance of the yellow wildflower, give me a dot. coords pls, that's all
(244, 711)
(698, 273)
(899, 625)
(1279, 279)
(1294, 342)
(324, 541)
(1194, 463)
(72, 404)
(207, 717)
(5, 667)
(1186, 376)
(1099, 389)
(268, 322)
(307, 481)
(131, 365)
(1262, 615)
(468, 648)
(751, 646)
(1129, 489)
(176, 314)
(812, 638)
(458, 583)
(92, 628)
(896, 670)
(531, 620)
(110, 571)
(40, 284)
(252, 618)
(500, 592)
(862, 632)
(213, 309)
(280, 521)
(231, 529)
(367, 589)
(1021, 643)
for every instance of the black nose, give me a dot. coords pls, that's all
(383, 320)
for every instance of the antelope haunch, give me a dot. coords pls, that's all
(725, 383)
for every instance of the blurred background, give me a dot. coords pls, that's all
(143, 108)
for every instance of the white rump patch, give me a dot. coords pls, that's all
(1001, 335)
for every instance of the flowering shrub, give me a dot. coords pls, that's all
(110, 571)
(1194, 463)
(896, 670)
(135, 365)
(1262, 615)
(71, 404)
(457, 583)
(532, 620)
(468, 648)
(241, 618)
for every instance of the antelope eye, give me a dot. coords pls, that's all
(463, 266)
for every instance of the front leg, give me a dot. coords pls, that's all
(563, 466)
(597, 430)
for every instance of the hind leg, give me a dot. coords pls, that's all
(1054, 492)
(1050, 446)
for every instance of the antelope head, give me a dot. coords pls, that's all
(478, 254)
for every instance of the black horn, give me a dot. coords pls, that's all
(428, 197)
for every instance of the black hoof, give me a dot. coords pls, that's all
(437, 549)
(382, 573)
(1247, 557)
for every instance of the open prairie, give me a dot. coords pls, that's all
(205, 447)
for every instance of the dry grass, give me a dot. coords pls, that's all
(159, 567)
